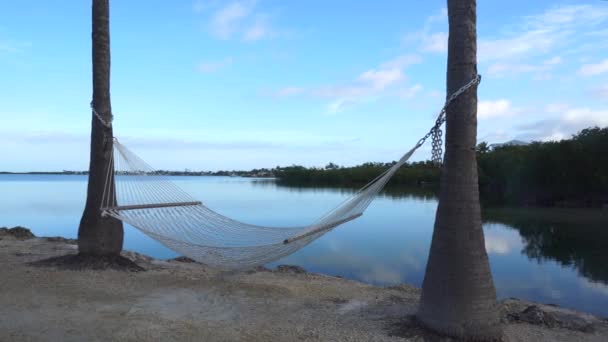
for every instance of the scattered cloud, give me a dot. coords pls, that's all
(563, 121)
(599, 92)
(553, 61)
(260, 29)
(213, 66)
(493, 109)
(594, 69)
(435, 42)
(402, 61)
(226, 21)
(410, 92)
(201, 5)
(375, 82)
(586, 116)
(339, 105)
(289, 91)
(541, 34)
(238, 19)
(439, 17)
(541, 70)
(380, 79)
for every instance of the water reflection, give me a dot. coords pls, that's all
(393, 192)
(575, 238)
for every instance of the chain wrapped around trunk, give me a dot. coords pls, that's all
(436, 133)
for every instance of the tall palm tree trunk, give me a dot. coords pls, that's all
(100, 235)
(458, 295)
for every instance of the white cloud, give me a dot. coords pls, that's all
(370, 84)
(492, 109)
(212, 66)
(563, 122)
(259, 30)
(338, 105)
(600, 92)
(586, 115)
(201, 5)
(348, 90)
(594, 69)
(440, 17)
(290, 91)
(226, 21)
(541, 34)
(541, 71)
(435, 42)
(402, 62)
(501, 69)
(380, 79)
(553, 61)
(239, 19)
(556, 108)
(411, 92)
(373, 82)
(532, 42)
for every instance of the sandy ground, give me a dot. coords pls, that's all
(176, 301)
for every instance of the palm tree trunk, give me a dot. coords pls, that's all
(100, 235)
(458, 294)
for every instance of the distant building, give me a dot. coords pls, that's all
(509, 143)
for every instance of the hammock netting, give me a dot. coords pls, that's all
(135, 194)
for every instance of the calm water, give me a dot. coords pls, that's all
(547, 256)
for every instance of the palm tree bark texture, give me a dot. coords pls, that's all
(99, 235)
(458, 294)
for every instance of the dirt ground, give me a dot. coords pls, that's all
(179, 301)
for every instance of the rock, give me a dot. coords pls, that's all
(19, 233)
(289, 269)
(182, 259)
(534, 315)
(136, 257)
(554, 317)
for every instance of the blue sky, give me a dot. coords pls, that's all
(241, 84)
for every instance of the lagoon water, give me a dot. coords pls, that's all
(534, 254)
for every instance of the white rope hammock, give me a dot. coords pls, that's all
(163, 211)
(135, 194)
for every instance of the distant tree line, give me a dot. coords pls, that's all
(333, 175)
(571, 172)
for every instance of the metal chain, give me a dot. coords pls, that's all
(436, 133)
(107, 124)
